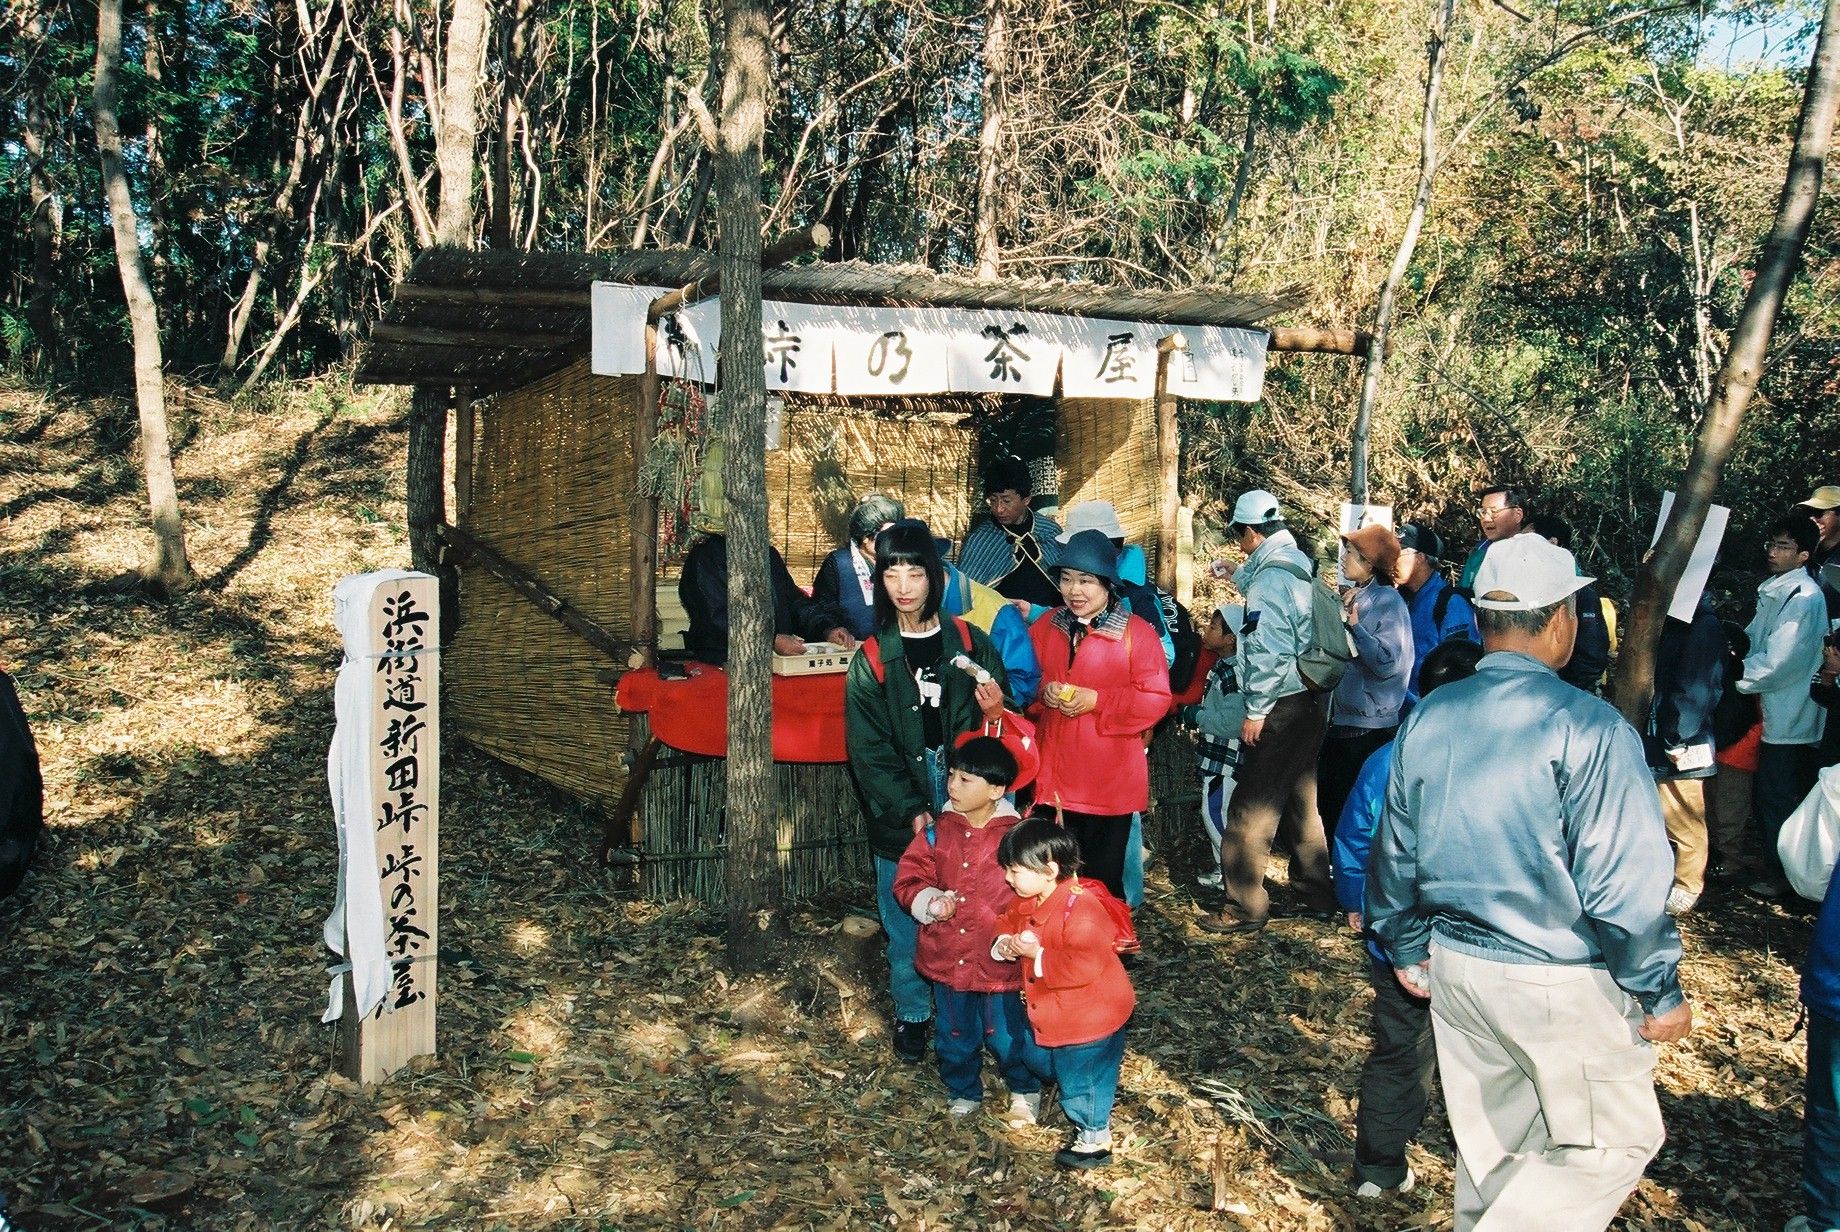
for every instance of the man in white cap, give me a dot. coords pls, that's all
(1283, 730)
(1823, 507)
(1520, 876)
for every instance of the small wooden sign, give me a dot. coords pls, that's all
(385, 775)
(819, 659)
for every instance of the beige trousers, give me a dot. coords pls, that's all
(1683, 806)
(1550, 1091)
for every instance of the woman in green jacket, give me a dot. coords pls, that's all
(905, 702)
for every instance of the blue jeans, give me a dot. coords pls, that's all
(1821, 1124)
(1134, 863)
(1088, 1078)
(912, 1001)
(969, 1022)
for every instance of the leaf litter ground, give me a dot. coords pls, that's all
(161, 1059)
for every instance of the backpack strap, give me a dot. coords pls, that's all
(1440, 608)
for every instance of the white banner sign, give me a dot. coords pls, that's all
(818, 348)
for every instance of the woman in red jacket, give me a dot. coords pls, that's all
(1105, 684)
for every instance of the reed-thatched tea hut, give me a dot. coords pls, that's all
(562, 584)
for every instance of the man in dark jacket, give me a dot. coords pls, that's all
(797, 618)
(1689, 677)
(1591, 652)
(22, 791)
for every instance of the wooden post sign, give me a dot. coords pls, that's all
(384, 772)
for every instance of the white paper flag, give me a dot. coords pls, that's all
(1221, 365)
(617, 327)
(1699, 565)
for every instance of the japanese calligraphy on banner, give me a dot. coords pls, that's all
(384, 773)
(818, 348)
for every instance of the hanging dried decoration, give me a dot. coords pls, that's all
(673, 464)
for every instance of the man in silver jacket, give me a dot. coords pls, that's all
(1519, 877)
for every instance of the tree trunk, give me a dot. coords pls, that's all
(1408, 243)
(167, 567)
(990, 136)
(756, 923)
(47, 209)
(455, 137)
(459, 128)
(158, 276)
(1738, 376)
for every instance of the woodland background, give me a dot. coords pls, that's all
(1608, 173)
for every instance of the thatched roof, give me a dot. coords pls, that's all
(496, 320)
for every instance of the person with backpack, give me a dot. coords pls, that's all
(1364, 709)
(1104, 685)
(905, 701)
(1288, 654)
(1439, 612)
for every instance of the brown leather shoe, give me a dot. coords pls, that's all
(1226, 922)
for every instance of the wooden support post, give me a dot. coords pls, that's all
(537, 591)
(463, 454)
(623, 822)
(643, 564)
(1355, 342)
(1169, 464)
(1185, 556)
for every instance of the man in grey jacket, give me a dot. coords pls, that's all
(1283, 729)
(1520, 874)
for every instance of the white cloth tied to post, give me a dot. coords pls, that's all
(826, 348)
(356, 927)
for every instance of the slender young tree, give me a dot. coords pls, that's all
(1435, 48)
(1738, 377)
(167, 568)
(991, 137)
(756, 923)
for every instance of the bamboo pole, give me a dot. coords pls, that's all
(463, 453)
(1168, 464)
(533, 588)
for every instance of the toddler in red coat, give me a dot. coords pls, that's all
(1065, 936)
(950, 881)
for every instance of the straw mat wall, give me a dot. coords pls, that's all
(551, 489)
(833, 453)
(1105, 449)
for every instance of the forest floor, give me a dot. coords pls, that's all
(162, 1063)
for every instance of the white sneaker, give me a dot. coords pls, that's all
(1370, 1190)
(963, 1107)
(1679, 901)
(1209, 881)
(1023, 1110)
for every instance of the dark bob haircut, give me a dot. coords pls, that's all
(1448, 663)
(1032, 843)
(909, 542)
(984, 757)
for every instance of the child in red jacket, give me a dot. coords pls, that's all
(1077, 993)
(950, 881)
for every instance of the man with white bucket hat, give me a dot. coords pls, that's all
(1520, 875)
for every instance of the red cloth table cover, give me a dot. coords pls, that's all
(692, 715)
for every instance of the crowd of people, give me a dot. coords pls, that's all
(1432, 757)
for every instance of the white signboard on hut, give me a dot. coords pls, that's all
(384, 773)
